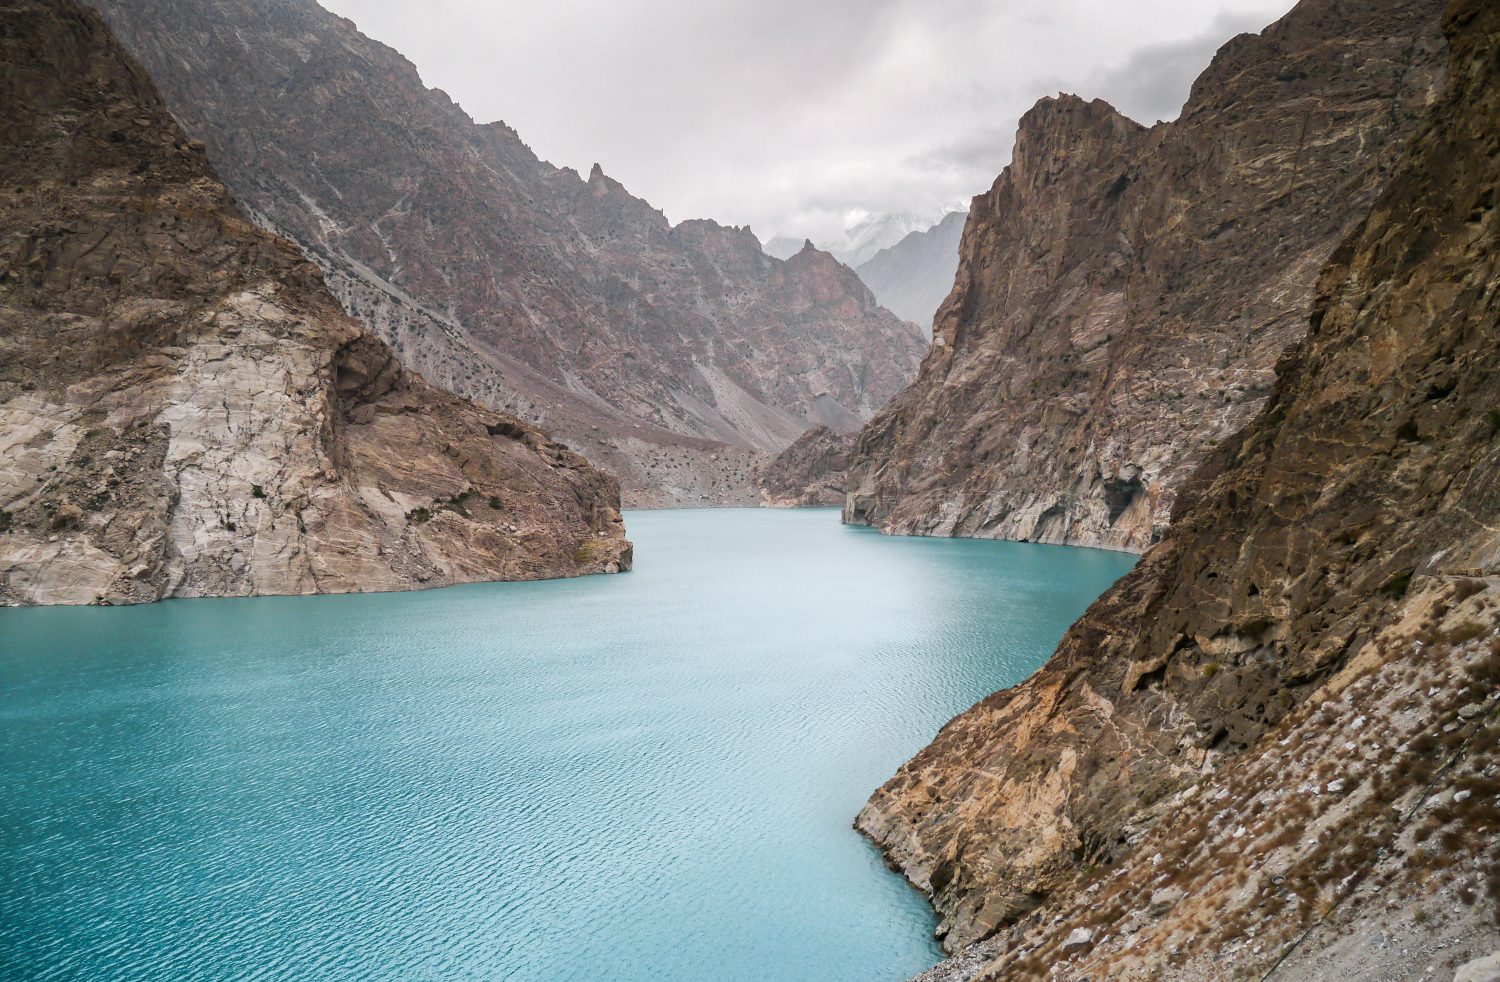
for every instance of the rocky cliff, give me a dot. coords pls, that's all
(666, 353)
(1273, 749)
(812, 471)
(912, 278)
(1123, 293)
(184, 408)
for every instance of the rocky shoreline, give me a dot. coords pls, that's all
(1269, 751)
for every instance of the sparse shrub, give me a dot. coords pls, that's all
(257, 491)
(6, 520)
(418, 515)
(1467, 631)
(1465, 588)
(495, 503)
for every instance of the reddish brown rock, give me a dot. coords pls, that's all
(184, 408)
(1123, 293)
(1276, 738)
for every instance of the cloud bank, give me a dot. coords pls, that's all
(797, 117)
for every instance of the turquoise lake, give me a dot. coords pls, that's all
(640, 777)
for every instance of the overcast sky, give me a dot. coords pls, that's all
(797, 116)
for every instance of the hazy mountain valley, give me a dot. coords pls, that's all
(277, 318)
(913, 277)
(663, 352)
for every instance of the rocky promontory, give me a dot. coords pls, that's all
(812, 471)
(1270, 751)
(185, 410)
(1124, 292)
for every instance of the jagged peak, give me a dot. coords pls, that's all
(810, 255)
(701, 230)
(504, 127)
(1074, 112)
(1068, 130)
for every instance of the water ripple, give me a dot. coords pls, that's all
(639, 777)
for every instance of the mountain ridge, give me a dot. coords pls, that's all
(560, 297)
(1124, 292)
(187, 411)
(913, 277)
(1269, 750)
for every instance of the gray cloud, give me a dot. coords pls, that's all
(792, 116)
(1153, 82)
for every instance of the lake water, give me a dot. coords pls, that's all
(640, 777)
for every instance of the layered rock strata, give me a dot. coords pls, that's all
(1270, 751)
(563, 299)
(1123, 293)
(184, 408)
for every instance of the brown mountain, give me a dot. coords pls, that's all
(1270, 751)
(1123, 293)
(184, 408)
(667, 353)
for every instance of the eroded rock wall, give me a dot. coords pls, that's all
(186, 411)
(1123, 293)
(1272, 747)
(812, 471)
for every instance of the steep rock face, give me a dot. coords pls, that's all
(1276, 738)
(1123, 293)
(812, 471)
(521, 285)
(184, 408)
(912, 278)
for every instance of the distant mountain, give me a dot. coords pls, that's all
(670, 355)
(912, 278)
(876, 233)
(857, 244)
(783, 247)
